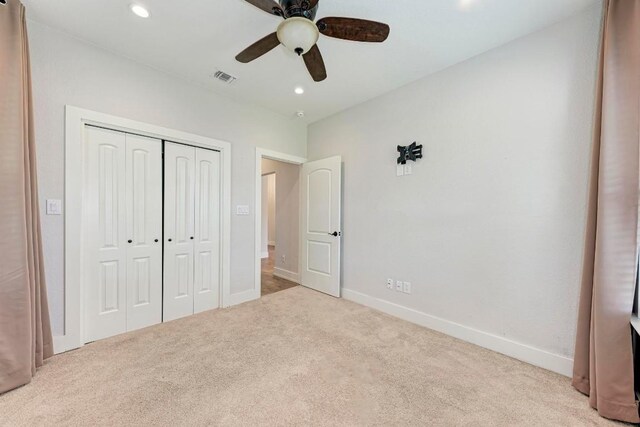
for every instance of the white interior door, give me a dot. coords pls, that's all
(104, 269)
(179, 230)
(144, 231)
(320, 225)
(207, 231)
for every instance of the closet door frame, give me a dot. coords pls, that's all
(75, 121)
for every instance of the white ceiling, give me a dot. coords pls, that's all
(194, 38)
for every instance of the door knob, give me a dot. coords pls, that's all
(130, 241)
(169, 239)
(156, 240)
(335, 234)
(191, 237)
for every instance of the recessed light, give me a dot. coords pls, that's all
(299, 90)
(466, 5)
(140, 11)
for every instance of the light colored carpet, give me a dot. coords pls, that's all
(296, 357)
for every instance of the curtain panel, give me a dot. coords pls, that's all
(25, 333)
(603, 363)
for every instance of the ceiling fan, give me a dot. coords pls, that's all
(299, 34)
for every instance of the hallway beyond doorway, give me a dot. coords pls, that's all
(270, 283)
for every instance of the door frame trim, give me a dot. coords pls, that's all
(75, 121)
(262, 153)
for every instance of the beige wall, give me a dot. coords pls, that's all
(264, 221)
(271, 209)
(268, 212)
(489, 228)
(287, 197)
(68, 71)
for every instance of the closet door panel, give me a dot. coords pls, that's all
(144, 231)
(179, 232)
(207, 231)
(104, 266)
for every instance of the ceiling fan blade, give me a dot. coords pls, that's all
(359, 30)
(259, 48)
(315, 64)
(268, 6)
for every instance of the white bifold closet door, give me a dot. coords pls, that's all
(123, 212)
(191, 230)
(143, 184)
(207, 239)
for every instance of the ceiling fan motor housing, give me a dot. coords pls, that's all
(298, 8)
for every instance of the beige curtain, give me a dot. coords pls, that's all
(603, 366)
(25, 333)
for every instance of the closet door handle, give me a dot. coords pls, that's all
(130, 241)
(191, 237)
(169, 239)
(156, 240)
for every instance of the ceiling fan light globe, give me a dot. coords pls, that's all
(298, 34)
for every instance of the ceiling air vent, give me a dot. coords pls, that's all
(224, 77)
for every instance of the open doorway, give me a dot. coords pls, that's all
(280, 212)
(308, 233)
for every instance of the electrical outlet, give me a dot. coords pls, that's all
(406, 287)
(284, 259)
(390, 284)
(399, 285)
(408, 169)
(399, 170)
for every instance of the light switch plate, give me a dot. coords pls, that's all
(399, 285)
(242, 210)
(400, 170)
(54, 207)
(408, 169)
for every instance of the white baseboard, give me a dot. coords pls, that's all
(535, 356)
(242, 297)
(60, 344)
(64, 343)
(286, 274)
(265, 255)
